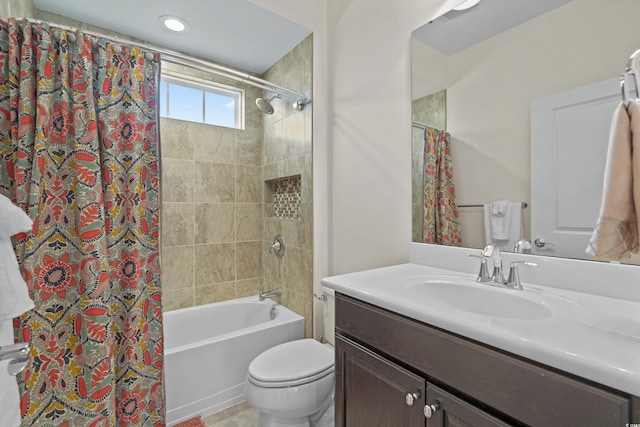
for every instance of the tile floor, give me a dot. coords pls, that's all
(242, 415)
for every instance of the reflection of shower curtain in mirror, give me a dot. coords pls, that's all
(441, 223)
(79, 154)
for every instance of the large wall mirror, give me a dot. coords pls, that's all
(476, 74)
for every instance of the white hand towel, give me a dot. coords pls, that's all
(500, 219)
(14, 295)
(9, 393)
(617, 232)
(13, 220)
(514, 231)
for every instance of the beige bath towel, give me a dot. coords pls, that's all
(616, 232)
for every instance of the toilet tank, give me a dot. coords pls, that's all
(329, 317)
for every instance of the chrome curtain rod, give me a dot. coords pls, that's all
(180, 58)
(424, 127)
(524, 205)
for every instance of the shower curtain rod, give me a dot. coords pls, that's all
(180, 58)
(423, 126)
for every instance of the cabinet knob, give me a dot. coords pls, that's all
(429, 410)
(411, 398)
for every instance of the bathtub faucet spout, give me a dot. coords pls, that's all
(270, 294)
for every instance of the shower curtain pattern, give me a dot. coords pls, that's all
(79, 153)
(441, 223)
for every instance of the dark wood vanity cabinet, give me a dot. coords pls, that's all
(389, 367)
(377, 392)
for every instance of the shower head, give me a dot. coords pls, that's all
(265, 105)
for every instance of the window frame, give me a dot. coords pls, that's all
(205, 86)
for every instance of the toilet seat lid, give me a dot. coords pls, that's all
(291, 362)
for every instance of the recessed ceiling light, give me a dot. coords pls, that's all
(174, 23)
(466, 4)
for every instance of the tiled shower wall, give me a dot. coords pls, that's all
(218, 223)
(287, 153)
(212, 213)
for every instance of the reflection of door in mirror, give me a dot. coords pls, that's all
(574, 125)
(491, 84)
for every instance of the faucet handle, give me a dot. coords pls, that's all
(483, 275)
(514, 278)
(277, 247)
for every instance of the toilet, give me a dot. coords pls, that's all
(292, 384)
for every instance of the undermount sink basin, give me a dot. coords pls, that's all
(467, 295)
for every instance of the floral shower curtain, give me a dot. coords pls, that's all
(79, 154)
(441, 223)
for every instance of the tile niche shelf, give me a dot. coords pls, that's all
(283, 197)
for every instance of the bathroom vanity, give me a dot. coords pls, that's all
(389, 367)
(405, 359)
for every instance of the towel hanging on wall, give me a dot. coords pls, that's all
(14, 301)
(615, 235)
(14, 295)
(503, 224)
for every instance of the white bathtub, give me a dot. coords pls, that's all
(208, 349)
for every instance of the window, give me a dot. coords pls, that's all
(201, 102)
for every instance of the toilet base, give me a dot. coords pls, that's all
(267, 420)
(324, 418)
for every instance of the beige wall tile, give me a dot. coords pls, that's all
(248, 260)
(248, 222)
(271, 265)
(214, 182)
(17, 8)
(177, 299)
(254, 118)
(178, 268)
(300, 304)
(306, 192)
(215, 263)
(177, 139)
(248, 287)
(275, 147)
(215, 293)
(177, 223)
(297, 271)
(295, 232)
(293, 133)
(248, 184)
(215, 144)
(215, 222)
(249, 146)
(177, 180)
(273, 227)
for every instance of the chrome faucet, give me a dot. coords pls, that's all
(491, 251)
(483, 274)
(512, 282)
(514, 278)
(270, 294)
(498, 275)
(522, 246)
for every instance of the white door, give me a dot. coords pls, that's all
(569, 139)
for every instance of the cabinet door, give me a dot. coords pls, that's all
(372, 391)
(449, 411)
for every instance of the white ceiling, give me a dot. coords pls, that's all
(236, 33)
(458, 30)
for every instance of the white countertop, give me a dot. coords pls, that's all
(596, 337)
